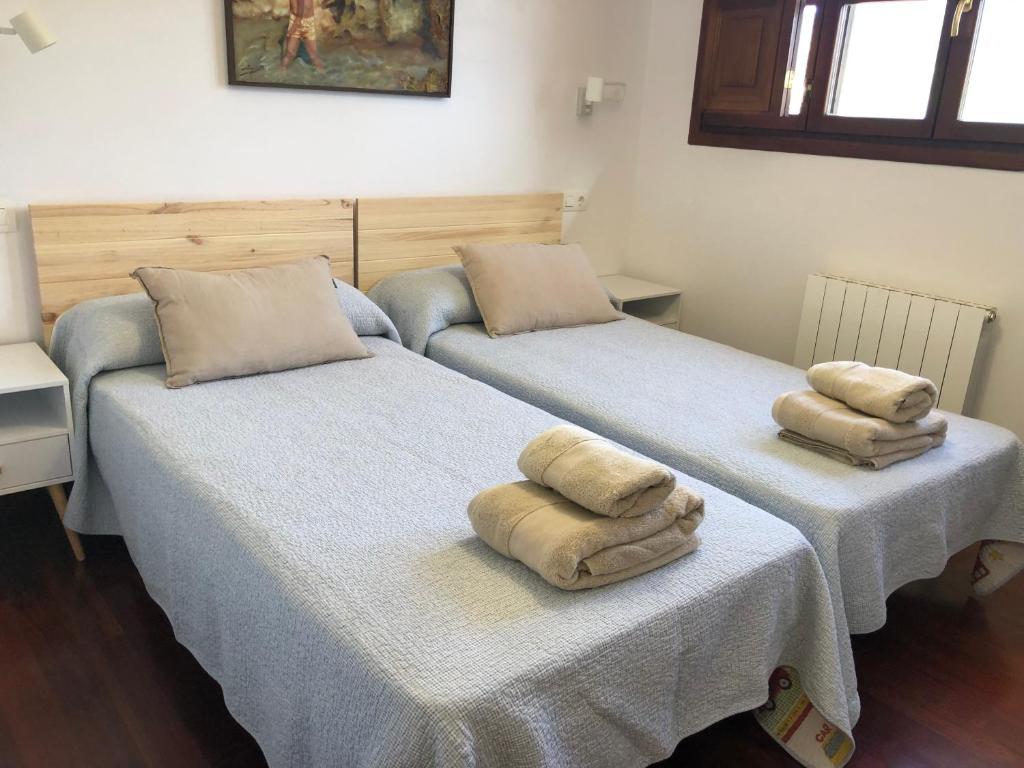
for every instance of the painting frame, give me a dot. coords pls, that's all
(234, 80)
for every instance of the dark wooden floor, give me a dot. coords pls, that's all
(90, 674)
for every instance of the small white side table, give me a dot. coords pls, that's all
(658, 304)
(35, 428)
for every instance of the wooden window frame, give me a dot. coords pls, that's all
(948, 126)
(939, 139)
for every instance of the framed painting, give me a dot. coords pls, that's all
(375, 46)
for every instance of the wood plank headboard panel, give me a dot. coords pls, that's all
(400, 234)
(88, 251)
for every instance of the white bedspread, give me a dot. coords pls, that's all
(306, 533)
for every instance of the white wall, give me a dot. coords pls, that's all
(131, 104)
(740, 230)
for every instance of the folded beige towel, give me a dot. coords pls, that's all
(828, 426)
(572, 548)
(595, 474)
(891, 395)
(874, 462)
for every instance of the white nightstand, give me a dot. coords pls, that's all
(35, 428)
(658, 304)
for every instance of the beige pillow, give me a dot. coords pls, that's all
(221, 325)
(521, 288)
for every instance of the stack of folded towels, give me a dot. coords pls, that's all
(590, 514)
(865, 416)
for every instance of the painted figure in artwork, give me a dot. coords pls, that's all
(301, 31)
(380, 46)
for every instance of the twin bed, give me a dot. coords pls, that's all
(705, 409)
(306, 531)
(306, 534)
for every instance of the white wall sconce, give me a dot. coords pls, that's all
(595, 92)
(32, 31)
(592, 93)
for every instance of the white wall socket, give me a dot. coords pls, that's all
(8, 223)
(576, 200)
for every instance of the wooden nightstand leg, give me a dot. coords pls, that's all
(60, 501)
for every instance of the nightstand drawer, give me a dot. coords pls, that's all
(34, 461)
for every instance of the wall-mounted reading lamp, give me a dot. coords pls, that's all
(596, 91)
(31, 30)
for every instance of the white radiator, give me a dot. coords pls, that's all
(924, 335)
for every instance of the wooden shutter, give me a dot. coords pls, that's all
(742, 62)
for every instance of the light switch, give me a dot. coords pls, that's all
(615, 92)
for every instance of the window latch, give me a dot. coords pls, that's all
(791, 83)
(962, 7)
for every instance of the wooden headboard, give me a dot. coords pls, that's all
(400, 234)
(88, 251)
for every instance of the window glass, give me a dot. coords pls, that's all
(796, 78)
(994, 93)
(885, 58)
